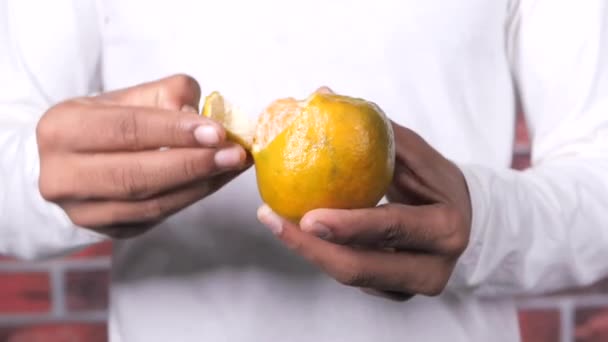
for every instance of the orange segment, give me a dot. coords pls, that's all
(274, 120)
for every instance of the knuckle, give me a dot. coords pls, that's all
(437, 285)
(184, 82)
(80, 215)
(435, 289)
(131, 181)
(456, 238)
(129, 129)
(79, 219)
(174, 130)
(436, 280)
(456, 244)
(48, 130)
(191, 168)
(355, 276)
(445, 216)
(49, 186)
(394, 235)
(178, 90)
(196, 166)
(48, 189)
(299, 247)
(153, 210)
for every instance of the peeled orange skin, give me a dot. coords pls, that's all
(338, 152)
(217, 108)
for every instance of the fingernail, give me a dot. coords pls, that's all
(270, 219)
(325, 90)
(189, 109)
(207, 135)
(319, 230)
(229, 158)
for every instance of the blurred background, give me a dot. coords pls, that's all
(65, 300)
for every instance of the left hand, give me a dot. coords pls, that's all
(397, 250)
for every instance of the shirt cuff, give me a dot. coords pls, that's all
(464, 276)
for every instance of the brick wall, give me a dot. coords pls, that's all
(65, 300)
(577, 315)
(62, 300)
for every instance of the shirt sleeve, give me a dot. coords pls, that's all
(546, 228)
(50, 52)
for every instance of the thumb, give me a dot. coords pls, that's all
(177, 92)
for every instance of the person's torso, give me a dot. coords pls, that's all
(211, 272)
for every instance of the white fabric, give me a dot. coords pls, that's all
(452, 71)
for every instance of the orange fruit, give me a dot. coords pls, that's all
(326, 151)
(238, 127)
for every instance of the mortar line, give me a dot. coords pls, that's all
(58, 290)
(591, 300)
(85, 264)
(567, 320)
(538, 303)
(96, 316)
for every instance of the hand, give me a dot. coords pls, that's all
(123, 161)
(397, 250)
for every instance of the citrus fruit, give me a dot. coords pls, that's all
(238, 127)
(326, 151)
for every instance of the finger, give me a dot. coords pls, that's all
(125, 231)
(395, 195)
(414, 185)
(387, 226)
(118, 128)
(142, 175)
(422, 170)
(401, 272)
(171, 93)
(406, 188)
(114, 217)
(396, 296)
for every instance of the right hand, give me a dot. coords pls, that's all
(121, 162)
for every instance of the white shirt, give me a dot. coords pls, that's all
(451, 70)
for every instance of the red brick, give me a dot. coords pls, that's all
(76, 332)
(24, 293)
(539, 325)
(87, 290)
(97, 250)
(5, 258)
(592, 324)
